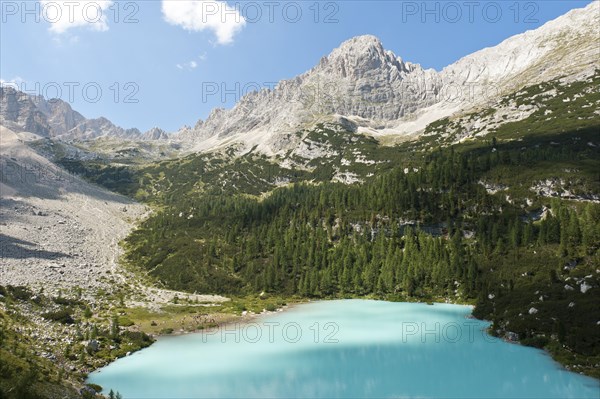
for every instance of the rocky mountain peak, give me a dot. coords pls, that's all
(359, 55)
(155, 133)
(360, 45)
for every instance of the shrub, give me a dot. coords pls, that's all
(95, 387)
(65, 301)
(271, 307)
(536, 342)
(62, 316)
(21, 293)
(138, 338)
(125, 322)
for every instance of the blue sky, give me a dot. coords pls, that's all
(155, 63)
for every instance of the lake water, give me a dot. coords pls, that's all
(345, 348)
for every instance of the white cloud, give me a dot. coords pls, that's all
(64, 15)
(61, 40)
(188, 66)
(195, 15)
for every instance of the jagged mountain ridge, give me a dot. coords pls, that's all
(568, 45)
(56, 119)
(371, 90)
(359, 78)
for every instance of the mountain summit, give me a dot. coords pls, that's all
(360, 55)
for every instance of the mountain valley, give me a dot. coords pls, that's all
(365, 177)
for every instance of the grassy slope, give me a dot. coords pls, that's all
(44, 342)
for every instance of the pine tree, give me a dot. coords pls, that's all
(590, 237)
(114, 328)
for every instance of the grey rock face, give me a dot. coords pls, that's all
(17, 109)
(155, 134)
(92, 128)
(362, 79)
(56, 118)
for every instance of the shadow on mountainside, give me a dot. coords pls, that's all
(14, 248)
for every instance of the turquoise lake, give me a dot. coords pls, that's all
(345, 349)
